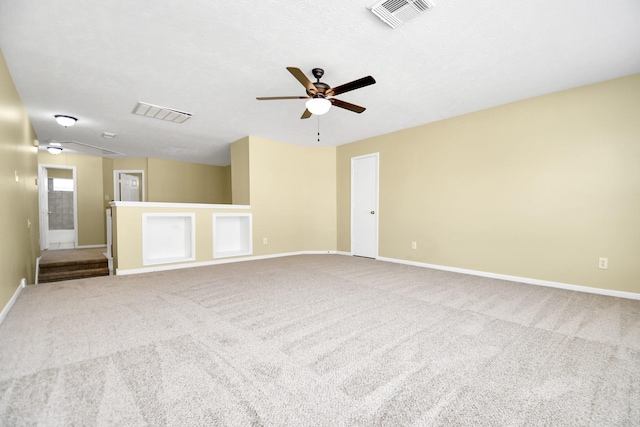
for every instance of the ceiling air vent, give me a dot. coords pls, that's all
(397, 12)
(162, 113)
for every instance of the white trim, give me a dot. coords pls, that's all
(13, 300)
(109, 262)
(43, 217)
(45, 187)
(344, 253)
(176, 205)
(91, 246)
(116, 187)
(537, 282)
(37, 269)
(121, 272)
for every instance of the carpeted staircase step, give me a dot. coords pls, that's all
(54, 267)
(69, 270)
(57, 276)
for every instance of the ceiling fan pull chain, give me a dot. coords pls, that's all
(318, 129)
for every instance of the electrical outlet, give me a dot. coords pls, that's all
(28, 223)
(603, 263)
(414, 245)
(265, 241)
(17, 177)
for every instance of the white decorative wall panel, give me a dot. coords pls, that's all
(168, 238)
(232, 235)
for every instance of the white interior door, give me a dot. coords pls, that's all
(43, 193)
(364, 205)
(129, 188)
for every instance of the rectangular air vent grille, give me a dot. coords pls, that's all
(397, 12)
(162, 113)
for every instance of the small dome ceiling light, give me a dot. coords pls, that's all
(54, 150)
(65, 121)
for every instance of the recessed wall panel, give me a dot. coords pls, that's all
(168, 238)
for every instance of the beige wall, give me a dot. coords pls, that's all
(201, 183)
(107, 181)
(540, 188)
(182, 182)
(319, 198)
(60, 173)
(91, 213)
(240, 185)
(127, 223)
(19, 243)
(223, 179)
(293, 204)
(292, 197)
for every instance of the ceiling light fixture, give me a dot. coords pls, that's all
(54, 150)
(318, 106)
(65, 121)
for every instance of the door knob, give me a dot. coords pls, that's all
(49, 212)
(373, 212)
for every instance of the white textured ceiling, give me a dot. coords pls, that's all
(96, 59)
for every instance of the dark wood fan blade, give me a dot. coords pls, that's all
(306, 114)
(302, 78)
(269, 98)
(347, 105)
(356, 84)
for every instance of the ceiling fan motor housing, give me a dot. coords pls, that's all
(321, 88)
(317, 73)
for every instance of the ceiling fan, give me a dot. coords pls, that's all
(320, 95)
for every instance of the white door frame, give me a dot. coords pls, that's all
(43, 207)
(116, 186)
(43, 190)
(377, 207)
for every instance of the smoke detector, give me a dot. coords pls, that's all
(396, 12)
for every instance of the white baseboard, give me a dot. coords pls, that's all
(538, 282)
(13, 300)
(91, 246)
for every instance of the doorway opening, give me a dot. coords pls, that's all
(128, 186)
(58, 204)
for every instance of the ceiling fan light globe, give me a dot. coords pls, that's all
(318, 106)
(65, 121)
(54, 150)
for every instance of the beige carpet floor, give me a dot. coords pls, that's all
(319, 340)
